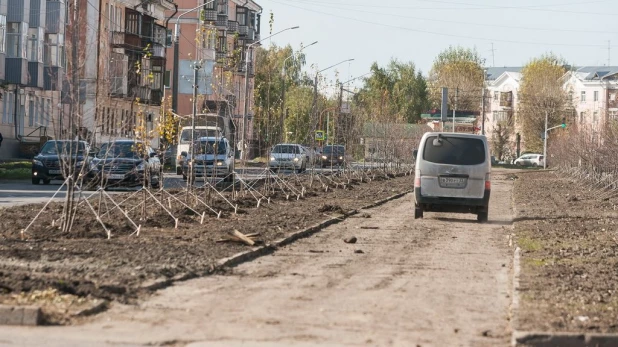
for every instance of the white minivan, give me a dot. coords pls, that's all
(452, 174)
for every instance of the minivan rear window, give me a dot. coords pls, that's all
(455, 151)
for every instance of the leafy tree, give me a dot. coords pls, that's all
(541, 93)
(500, 138)
(458, 68)
(395, 93)
(268, 94)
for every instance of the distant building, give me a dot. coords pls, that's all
(594, 94)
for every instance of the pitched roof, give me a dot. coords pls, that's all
(494, 72)
(590, 73)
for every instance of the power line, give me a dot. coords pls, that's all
(463, 23)
(483, 7)
(437, 33)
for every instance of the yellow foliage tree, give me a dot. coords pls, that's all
(541, 93)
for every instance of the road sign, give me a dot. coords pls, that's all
(319, 135)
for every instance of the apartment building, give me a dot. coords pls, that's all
(501, 98)
(32, 67)
(594, 93)
(217, 37)
(123, 45)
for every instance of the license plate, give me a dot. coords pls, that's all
(453, 182)
(54, 172)
(115, 176)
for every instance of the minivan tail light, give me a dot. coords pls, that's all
(487, 182)
(417, 182)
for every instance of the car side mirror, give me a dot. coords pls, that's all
(415, 153)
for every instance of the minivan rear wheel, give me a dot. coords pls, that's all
(418, 213)
(482, 217)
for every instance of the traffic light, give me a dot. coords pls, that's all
(563, 122)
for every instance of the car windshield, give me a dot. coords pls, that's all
(185, 136)
(333, 149)
(118, 150)
(211, 147)
(288, 149)
(63, 147)
(454, 150)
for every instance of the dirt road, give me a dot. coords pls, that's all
(441, 281)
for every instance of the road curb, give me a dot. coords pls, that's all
(249, 255)
(20, 315)
(549, 339)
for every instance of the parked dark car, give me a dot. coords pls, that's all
(333, 155)
(125, 163)
(55, 158)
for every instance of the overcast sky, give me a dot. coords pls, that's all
(417, 30)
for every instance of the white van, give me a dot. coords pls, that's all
(452, 174)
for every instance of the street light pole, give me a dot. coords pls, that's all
(246, 106)
(176, 67)
(281, 121)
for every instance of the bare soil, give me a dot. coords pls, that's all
(568, 236)
(438, 281)
(85, 264)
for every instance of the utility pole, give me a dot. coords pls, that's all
(340, 105)
(455, 108)
(175, 72)
(243, 138)
(483, 107)
(545, 142)
(196, 68)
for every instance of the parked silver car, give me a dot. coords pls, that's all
(530, 159)
(288, 156)
(452, 174)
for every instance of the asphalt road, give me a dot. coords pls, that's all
(21, 192)
(439, 281)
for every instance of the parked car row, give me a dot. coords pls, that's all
(298, 157)
(122, 162)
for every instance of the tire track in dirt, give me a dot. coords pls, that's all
(440, 281)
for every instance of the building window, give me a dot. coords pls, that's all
(31, 113)
(2, 33)
(132, 23)
(613, 115)
(581, 117)
(496, 96)
(241, 15)
(54, 53)
(49, 113)
(14, 41)
(221, 6)
(35, 46)
(596, 95)
(583, 96)
(167, 79)
(595, 117)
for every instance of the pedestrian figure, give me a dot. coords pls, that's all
(0, 139)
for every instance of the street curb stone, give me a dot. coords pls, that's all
(549, 339)
(20, 315)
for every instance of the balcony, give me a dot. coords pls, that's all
(243, 30)
(232, 26)
(157, 51)
(148, 96)
(210, 16)
(240, 68)
(221, 57)
(125, 40)
(221, 21)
